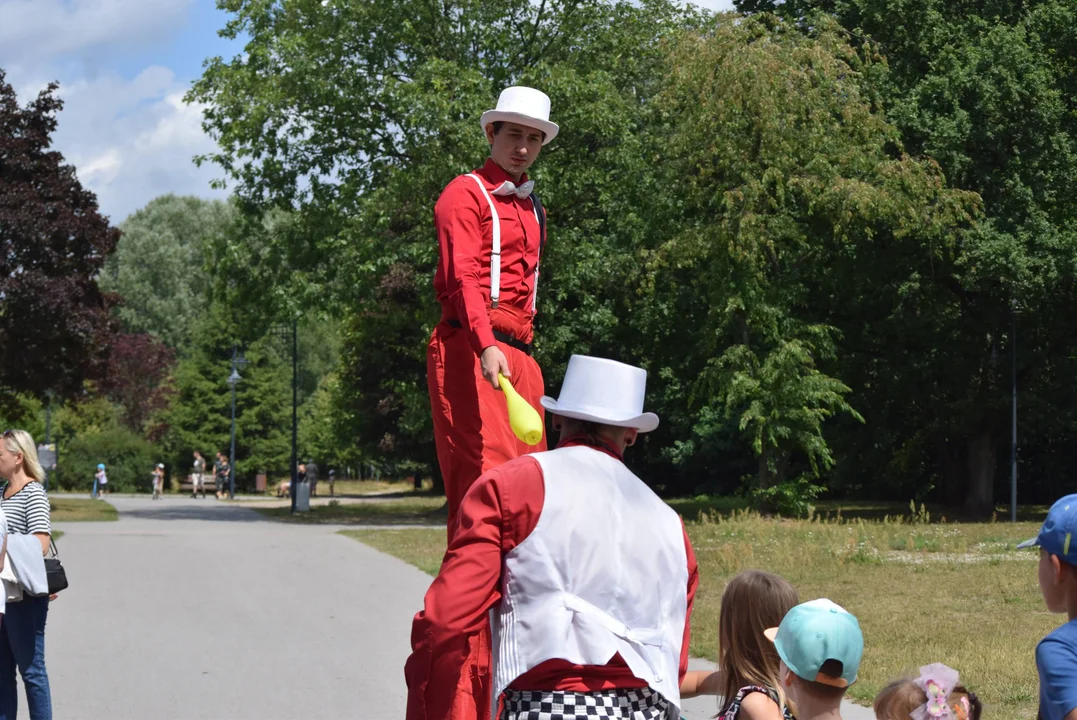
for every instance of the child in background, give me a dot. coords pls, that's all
(1056, 655)
(100, 481)
(158, 480)
(820, 645)
(747, 678)
(935, 695)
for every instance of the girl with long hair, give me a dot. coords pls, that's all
(748, 664)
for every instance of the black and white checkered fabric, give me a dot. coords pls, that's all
(641, 704)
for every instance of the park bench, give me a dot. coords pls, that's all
(209, 483)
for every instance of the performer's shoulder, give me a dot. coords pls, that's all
(461, 184)
(460, 189)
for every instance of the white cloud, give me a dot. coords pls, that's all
(714, 4)
(44, 29)
(131, 140)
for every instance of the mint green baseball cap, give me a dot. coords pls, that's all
(814, 632)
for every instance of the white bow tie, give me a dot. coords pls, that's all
(509, 188)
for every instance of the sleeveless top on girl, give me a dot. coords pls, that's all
(733, 708)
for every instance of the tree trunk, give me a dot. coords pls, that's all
(980, 498)
(439, 481)
(953, 475)
(767, 478)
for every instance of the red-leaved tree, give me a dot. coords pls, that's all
(54, 321)
(136, 379)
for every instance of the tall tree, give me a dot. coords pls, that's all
(199, 413)
(353, 117)
(137, 378)
(159, 267)
(987, 89)
(54, 319)
(789, 209)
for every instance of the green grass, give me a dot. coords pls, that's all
(416, 510)
(81, 510)
(421, 547)
(924, 592)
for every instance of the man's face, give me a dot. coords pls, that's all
(515, 148)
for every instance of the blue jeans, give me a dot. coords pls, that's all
(22, 645)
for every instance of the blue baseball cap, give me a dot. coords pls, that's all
(814, 632)
(100, 466)
(1058, 531)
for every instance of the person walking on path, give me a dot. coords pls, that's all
(100, 481)
(567, 526)
(221, 471)
(25, 507)
(312, 477)
(491, 229)
(198, 473)
(158, 479)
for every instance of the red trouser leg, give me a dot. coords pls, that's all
(471, 418)
(472, 434)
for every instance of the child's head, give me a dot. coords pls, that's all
(1057, 542)
(935, 695)
(752, 602)
(820, 645)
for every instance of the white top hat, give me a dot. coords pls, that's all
(603, 391)
(523, 105)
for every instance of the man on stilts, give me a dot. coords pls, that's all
(590, 575)
(491, 230)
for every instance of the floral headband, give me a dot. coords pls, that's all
(938, 681)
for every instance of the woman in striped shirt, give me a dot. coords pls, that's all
(22, 633)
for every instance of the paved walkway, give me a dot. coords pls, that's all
(189, 610)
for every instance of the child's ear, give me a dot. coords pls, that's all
(1059, 569)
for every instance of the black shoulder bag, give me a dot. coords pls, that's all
(54, 571)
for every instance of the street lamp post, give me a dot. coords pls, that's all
(237, 360)
(1013, 419)
(48, 435)
(283, 331)
(295, 415)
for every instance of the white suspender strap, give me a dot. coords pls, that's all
(495, 252)
(538, 261)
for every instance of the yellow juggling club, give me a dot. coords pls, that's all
(524, 419)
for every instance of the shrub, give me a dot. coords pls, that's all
(127, 457)
(790, 498)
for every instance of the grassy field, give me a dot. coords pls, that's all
(924, 592)
(81, 510)
(410, 510)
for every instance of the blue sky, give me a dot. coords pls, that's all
(123, 68)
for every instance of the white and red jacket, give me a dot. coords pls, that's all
(567, 545)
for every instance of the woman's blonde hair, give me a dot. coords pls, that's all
(20, 441)
(753, 601)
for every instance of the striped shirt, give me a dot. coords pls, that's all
(27, 511)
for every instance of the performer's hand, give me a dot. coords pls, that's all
(494, 362)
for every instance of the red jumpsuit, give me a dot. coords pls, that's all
(471, 425)
(471, 422)
(498, 514)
